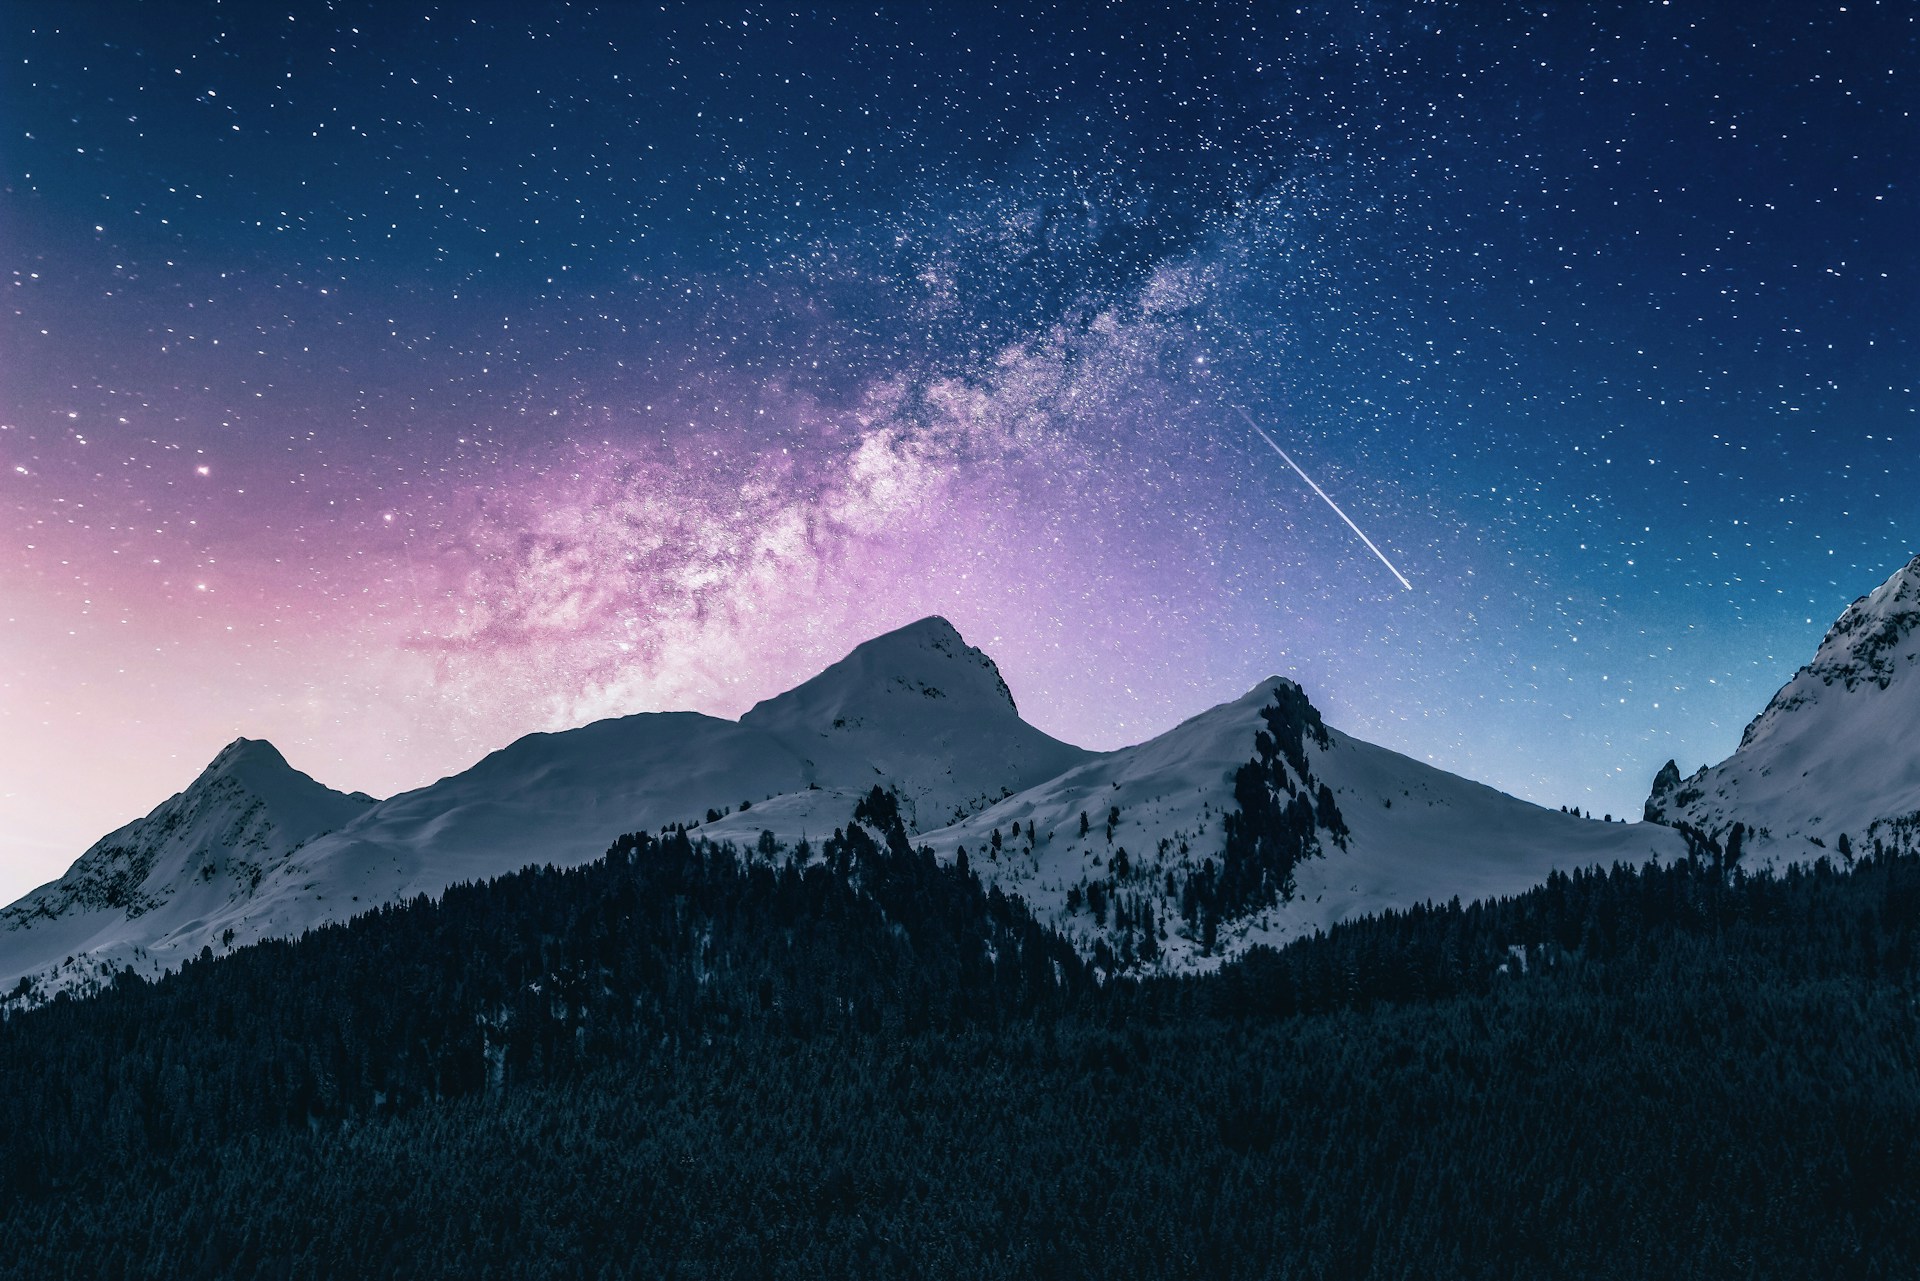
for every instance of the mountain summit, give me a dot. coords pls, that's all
(1835, 755)
(928, 658)
(245, 813)
(920, 706)
(202, 849)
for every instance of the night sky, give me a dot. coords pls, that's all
(390, 381)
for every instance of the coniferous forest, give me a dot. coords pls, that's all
(687, 1061)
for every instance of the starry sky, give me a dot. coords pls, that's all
(391, 380)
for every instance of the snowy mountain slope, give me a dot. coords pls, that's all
(1836, 751)
(1414, 833)
(199, 850)
(1421, 833)
(917, 710)
(547, 798)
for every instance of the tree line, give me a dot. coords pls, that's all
(689, 1060)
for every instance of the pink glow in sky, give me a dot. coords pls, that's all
(386, 628)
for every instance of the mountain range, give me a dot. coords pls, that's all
(1252, 822)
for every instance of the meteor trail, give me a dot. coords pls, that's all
(1323, 494)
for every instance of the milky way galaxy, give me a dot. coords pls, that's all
(392, 380)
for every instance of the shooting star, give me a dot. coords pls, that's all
(1275, 445)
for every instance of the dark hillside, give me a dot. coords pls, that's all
(679, 1062)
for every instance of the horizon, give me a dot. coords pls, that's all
(1628, 815)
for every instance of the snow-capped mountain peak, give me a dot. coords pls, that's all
(1875, 638)
(244, 812)
(257, 765)
(925, 660)
(1835, 753)
(205, 847)
(246, 753)
(921, 706)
